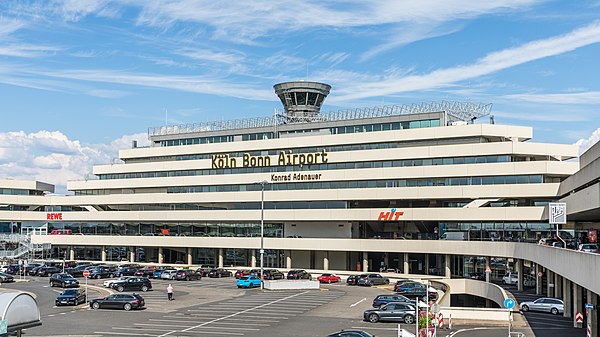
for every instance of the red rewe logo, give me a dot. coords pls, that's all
(390, 216)
(54, 216)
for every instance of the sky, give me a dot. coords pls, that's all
(81, 79)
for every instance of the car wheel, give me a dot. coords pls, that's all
(554, 311)
(373, 318)
(387, 282)
(96, 306)
(112, 275)
(98, 276)
(127, 306)
(239, 287)
(187, 278)
(525, 308)
(218, 275)
(120, 289)
(370, 284)
(329, 281)
(144, 288)
(51, 284)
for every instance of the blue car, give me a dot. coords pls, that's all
(250, 281)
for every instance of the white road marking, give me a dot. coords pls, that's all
(357, 303)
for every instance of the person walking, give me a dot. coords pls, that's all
(170, 292)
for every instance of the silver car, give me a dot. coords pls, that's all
(544, 304)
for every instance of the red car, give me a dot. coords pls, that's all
(328, 278)
(241, 273)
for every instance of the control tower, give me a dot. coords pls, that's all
(301, 100)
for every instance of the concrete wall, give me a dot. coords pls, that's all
(318, 229)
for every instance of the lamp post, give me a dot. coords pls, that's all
(262, 231)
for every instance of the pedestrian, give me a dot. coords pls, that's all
(170, 292)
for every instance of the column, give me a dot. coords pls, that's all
(220, 257)
(593, 299)
(189, 256)
(520, 275)
(538, 279)
(566, 296)
(550, 283)
(488, 266)
(161, 256)
(577, 303)
(557, 286)
(71, 253)
(103, 253)
(365, 263)
(326, 261)
(448, 271)
(405, 266)
(253, 258)
(288, 259)
(386, 260)
(426, 264)
(132, 254)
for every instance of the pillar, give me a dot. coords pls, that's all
(405, 266)
(448, 271)
(593, 316)
(365, 263)
(520, 275)
(253, 257)
(566, 296)
(488, 266)
(132, 254)
(288, 259)
(71, 253)
(190, 259)
(550, 283)
(538, 279)
(161, 256)
(577, 303)
(220, 257)
(426, 264)
(386, 260)
(557, 286)
(103, 253)
(326, 261)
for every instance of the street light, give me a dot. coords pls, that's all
(262, 230)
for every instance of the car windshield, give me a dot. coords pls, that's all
(244, 278)
(70, 292)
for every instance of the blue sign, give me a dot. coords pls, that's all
(509, 303)
(590, 306)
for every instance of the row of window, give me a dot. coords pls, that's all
(328, 166)
(460, 181)
(335, 130)
(13, 191)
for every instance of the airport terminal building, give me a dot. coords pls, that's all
(330, 180)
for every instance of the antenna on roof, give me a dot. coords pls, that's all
(166, 117)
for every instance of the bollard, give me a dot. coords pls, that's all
(450, 321)
(441, 321)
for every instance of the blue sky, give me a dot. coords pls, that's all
(79, 79)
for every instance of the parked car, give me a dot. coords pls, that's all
(70, 297)
(544, 304)
(76, 271)
(118, 301)
(589, 248)
(108, 283)
(328, 278)
(34, 271)
(125, 271)
(389, 298)
(99, 272)
(249, 281)
(146, 272)
(219, 272)
(6, 278)
(372, 279)
(241, 272)
(272, 274)
(477, 276)
(186, 275)
(417, 292)
(13, 269)
(398, 312)
(351, 333)
(204, 269)
(298, 274)
(352, 280)
(132, 283)
(168, 274)
(47, 271)
(510, 278)
(63, 280)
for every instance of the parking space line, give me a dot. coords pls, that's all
(216, 333)
(124, 333)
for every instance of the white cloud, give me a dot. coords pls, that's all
(50, 156)
(588, 97)
(585, 143)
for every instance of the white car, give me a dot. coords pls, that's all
(108, 283)
(510, 278)
(168, 274)
(544, 304)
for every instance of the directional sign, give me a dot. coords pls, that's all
(590, 306)
(86, 273)
(509, 303)
(579, 317)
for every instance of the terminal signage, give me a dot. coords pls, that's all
(285, 158)
(558, 213)
(54, 216)
(392, 215)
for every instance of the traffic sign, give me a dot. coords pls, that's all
(509, 303)
(86, 273)
(488, 269)
(590, 306)
(435, 308)
(540, 274)
(579, 317)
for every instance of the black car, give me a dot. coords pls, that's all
(204, 269)
(186, 275)
(350, 333)
(118, 301)
(102, 272)
(47, 271)
(63, 280)
(70, 297)
(13, 269)
(401, 286)
(5, 278)
(146, 272)
(372, 279)
(132, 283)
(34, 271)
(477, 276)
(125, 271)
(219, 272)
(352, 280)
(298, 274)
(272, 274)
(77, 271)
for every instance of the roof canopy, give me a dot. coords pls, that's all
(20, 310)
